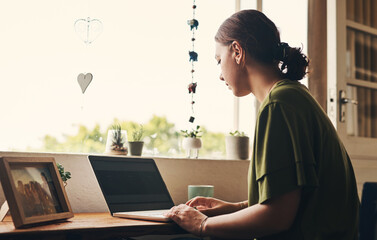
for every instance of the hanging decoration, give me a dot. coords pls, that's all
(193, 23)
(88, 29)
(84, 80)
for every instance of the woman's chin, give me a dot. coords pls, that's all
(239, 93)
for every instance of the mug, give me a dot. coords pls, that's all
(200, 190)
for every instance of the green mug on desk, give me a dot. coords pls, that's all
(200, 190)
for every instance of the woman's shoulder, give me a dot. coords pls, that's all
(291, 97)
(290, 93)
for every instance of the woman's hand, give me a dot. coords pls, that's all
(213, 207)
(187, 217)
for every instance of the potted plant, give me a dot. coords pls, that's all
(116, 141)
(65, 175)
(237, 145)
(192, 142)
(136, 144)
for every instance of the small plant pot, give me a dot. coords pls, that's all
(192, 146)
(237, 147)
(113, 149)
(136, 148)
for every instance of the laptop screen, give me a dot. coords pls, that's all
(131, 184)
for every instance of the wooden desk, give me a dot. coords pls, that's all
(88, 226)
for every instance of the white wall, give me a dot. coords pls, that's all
(228, 176)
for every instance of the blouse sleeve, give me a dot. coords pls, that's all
(284, 154)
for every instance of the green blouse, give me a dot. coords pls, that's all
(296, 146)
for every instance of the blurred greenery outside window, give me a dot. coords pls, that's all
(160, 136)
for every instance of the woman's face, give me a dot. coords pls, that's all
(232, 73)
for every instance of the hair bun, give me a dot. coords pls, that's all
(294, 63)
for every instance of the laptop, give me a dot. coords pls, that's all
(132, 187)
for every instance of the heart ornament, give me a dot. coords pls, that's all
(88, 29)
(84, 80)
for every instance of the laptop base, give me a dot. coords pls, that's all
(156, 215)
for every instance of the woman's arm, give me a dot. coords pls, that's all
(214, 207)
(273, 216)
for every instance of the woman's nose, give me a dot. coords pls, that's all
(221, 77)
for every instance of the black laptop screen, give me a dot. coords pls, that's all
(130, 184)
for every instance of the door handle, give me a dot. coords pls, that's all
(343, 100)
(348, 100)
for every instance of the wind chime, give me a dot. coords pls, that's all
(193, 23)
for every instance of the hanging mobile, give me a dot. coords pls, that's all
(193, 57)
(192, 142)
(88, 30)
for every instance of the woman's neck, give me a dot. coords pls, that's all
(261, 85)
(261, 78)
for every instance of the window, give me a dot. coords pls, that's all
(140, 73)
(139, 64)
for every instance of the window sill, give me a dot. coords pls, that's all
(53, 154)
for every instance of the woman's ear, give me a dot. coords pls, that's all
(238, 52)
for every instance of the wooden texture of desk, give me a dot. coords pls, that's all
(85, 226)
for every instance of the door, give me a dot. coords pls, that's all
(352, 74)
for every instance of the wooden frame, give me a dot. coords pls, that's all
(34, 190)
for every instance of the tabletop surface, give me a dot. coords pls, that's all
(93, 222)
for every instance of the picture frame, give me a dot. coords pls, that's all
(34, 190)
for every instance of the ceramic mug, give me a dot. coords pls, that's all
(200, 190)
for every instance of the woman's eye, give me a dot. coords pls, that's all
(218, 62)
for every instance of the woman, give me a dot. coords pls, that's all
(301, 181)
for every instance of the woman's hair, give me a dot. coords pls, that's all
(259, 37)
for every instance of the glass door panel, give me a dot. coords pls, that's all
(361, 69)
(361, 112)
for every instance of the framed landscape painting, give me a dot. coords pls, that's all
(34, 190)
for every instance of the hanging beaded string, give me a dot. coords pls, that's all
(193, 23)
